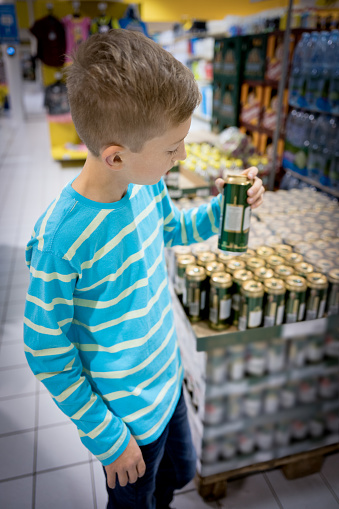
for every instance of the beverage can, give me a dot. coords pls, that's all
(194, 297)
(317, 285)
(251, 305)
(274, 302)
(333, 292)
(295, 301)
(235, 215)
(220, 300)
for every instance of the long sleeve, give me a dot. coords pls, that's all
(190, 226)
(56, 361)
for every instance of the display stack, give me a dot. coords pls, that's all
(258, 334)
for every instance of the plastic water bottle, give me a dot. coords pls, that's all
(316, 71)
(298, 129)
(331, 128)
(296, 79)
(307, 69)
(317, 162)
(333, 56)
(334, 168)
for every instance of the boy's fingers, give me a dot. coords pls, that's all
(123, 478)
(256, 187)
(132, 475)
(141, 468)
(220, 184)
(254, 197)
(250, 172)
(257, 203)
(111, 480)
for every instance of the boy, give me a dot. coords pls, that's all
(99, 327)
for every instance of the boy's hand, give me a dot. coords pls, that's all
(255, 193)
(129, 466)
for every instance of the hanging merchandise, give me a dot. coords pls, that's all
(76, 28)
(50, 34)
(103, 23)
(56, 99)
(132, 21)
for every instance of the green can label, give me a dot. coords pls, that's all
(220, 307)
(235, 215)
(295, 306)
(274, 309)
(333, 299)
(316, 303)
(251, 312)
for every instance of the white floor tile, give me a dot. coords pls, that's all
(16, 455)
(17, 414)
(17, 493)
(66, 488)
(49, 413)
(59, 446)
(99, 485)
(308, 492)
(330, 470)
(191, 500)
(17, 381)
(250, 492)
(12, 354)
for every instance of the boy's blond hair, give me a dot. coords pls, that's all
(124, 89)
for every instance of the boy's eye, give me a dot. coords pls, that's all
(172, 152)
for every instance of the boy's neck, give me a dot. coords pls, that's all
(99, 184)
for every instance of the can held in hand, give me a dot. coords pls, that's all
(235, 215)
(251, 305)
(317, 285)
(239, 277)
(194, 296)
(295, 299)
(220, 300)
(333, 292)
(274, 302)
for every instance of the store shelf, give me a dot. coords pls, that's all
(250, 384)
(314, 183)
(302, 411)
(260, 456)
(260, 129)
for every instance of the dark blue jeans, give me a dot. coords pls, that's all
(170, 465)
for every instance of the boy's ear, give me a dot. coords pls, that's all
(113, 156)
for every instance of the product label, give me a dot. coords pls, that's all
(321, 309)
(301, 311)
(311, 314)
(225, 309)
(233, 218)
(247, 218)
(213, 315)
(237, 369)
(184, 295)
(236, 302)
(203, 300)
(242, 323)
(254, 319)
(291, 318)
(268, 321)
(280, 314)
(194, 309)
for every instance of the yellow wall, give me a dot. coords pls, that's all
(174, 10)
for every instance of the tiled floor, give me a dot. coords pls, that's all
(43, 464)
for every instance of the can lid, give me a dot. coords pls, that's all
(200, 248)
(181, 250)
(333, 275)
(223, 257)
(324, 265)
(317, 280)
(214, 267)
(295, 283)
(282, 249)
(221, 279)
(293, 258)
(275, 286)
(238, 179)
(185, 260)
(195, 273)
(252, 288)
(242, 275)
(263, 273)
(303, 268)
(275, 260)
(264, 251)
(248, 254)
(205, 258)
(254, 263)
(234, 265)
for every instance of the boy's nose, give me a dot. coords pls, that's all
(182, 152)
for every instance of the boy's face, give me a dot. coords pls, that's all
(157, 156)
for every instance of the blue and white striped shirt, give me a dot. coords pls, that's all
(99, 328)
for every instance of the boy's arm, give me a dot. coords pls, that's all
(56, 362)
(200, 223)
